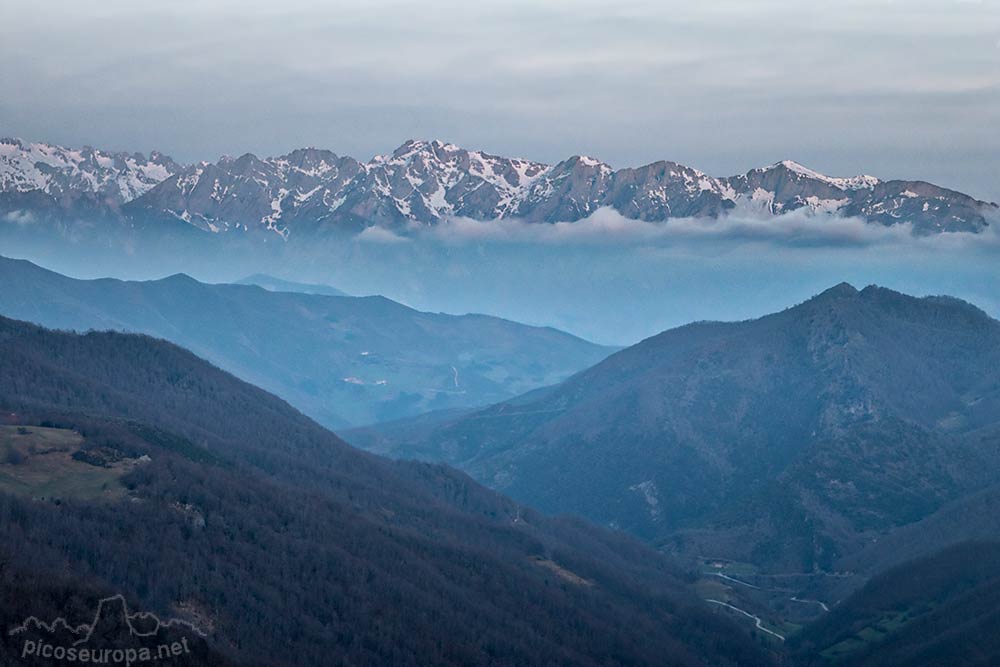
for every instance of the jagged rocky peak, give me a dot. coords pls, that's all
(317, 162)
(861, 182)
(443, 154)
(411, 147)
(587, 162)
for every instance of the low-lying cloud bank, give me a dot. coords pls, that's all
(19, 218)
(608, 227)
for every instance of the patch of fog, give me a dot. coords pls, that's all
(807, 227)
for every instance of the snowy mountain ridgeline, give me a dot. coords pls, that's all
(425, 182)
(40, 174)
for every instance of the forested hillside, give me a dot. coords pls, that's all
(936, 611)
(294, 548)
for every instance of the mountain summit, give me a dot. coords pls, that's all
(424, 182)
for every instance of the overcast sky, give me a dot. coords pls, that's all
(909, 88)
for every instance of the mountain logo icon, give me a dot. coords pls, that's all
(115, 635)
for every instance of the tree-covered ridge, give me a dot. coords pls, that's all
(297, 549)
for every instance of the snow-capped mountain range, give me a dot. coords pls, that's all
(114, 178)
(424, 182)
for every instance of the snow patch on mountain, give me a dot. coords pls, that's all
(862, 182)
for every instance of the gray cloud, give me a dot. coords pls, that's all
(900, 89)
(380, 235)
(19, 218)
(608, 228)
(617, 281)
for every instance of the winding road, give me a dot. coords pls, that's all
(760, 625)
(759, 588)
(821, 604)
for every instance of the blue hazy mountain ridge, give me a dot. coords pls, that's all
(272, 284)
(789, 441)
(342, 360)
